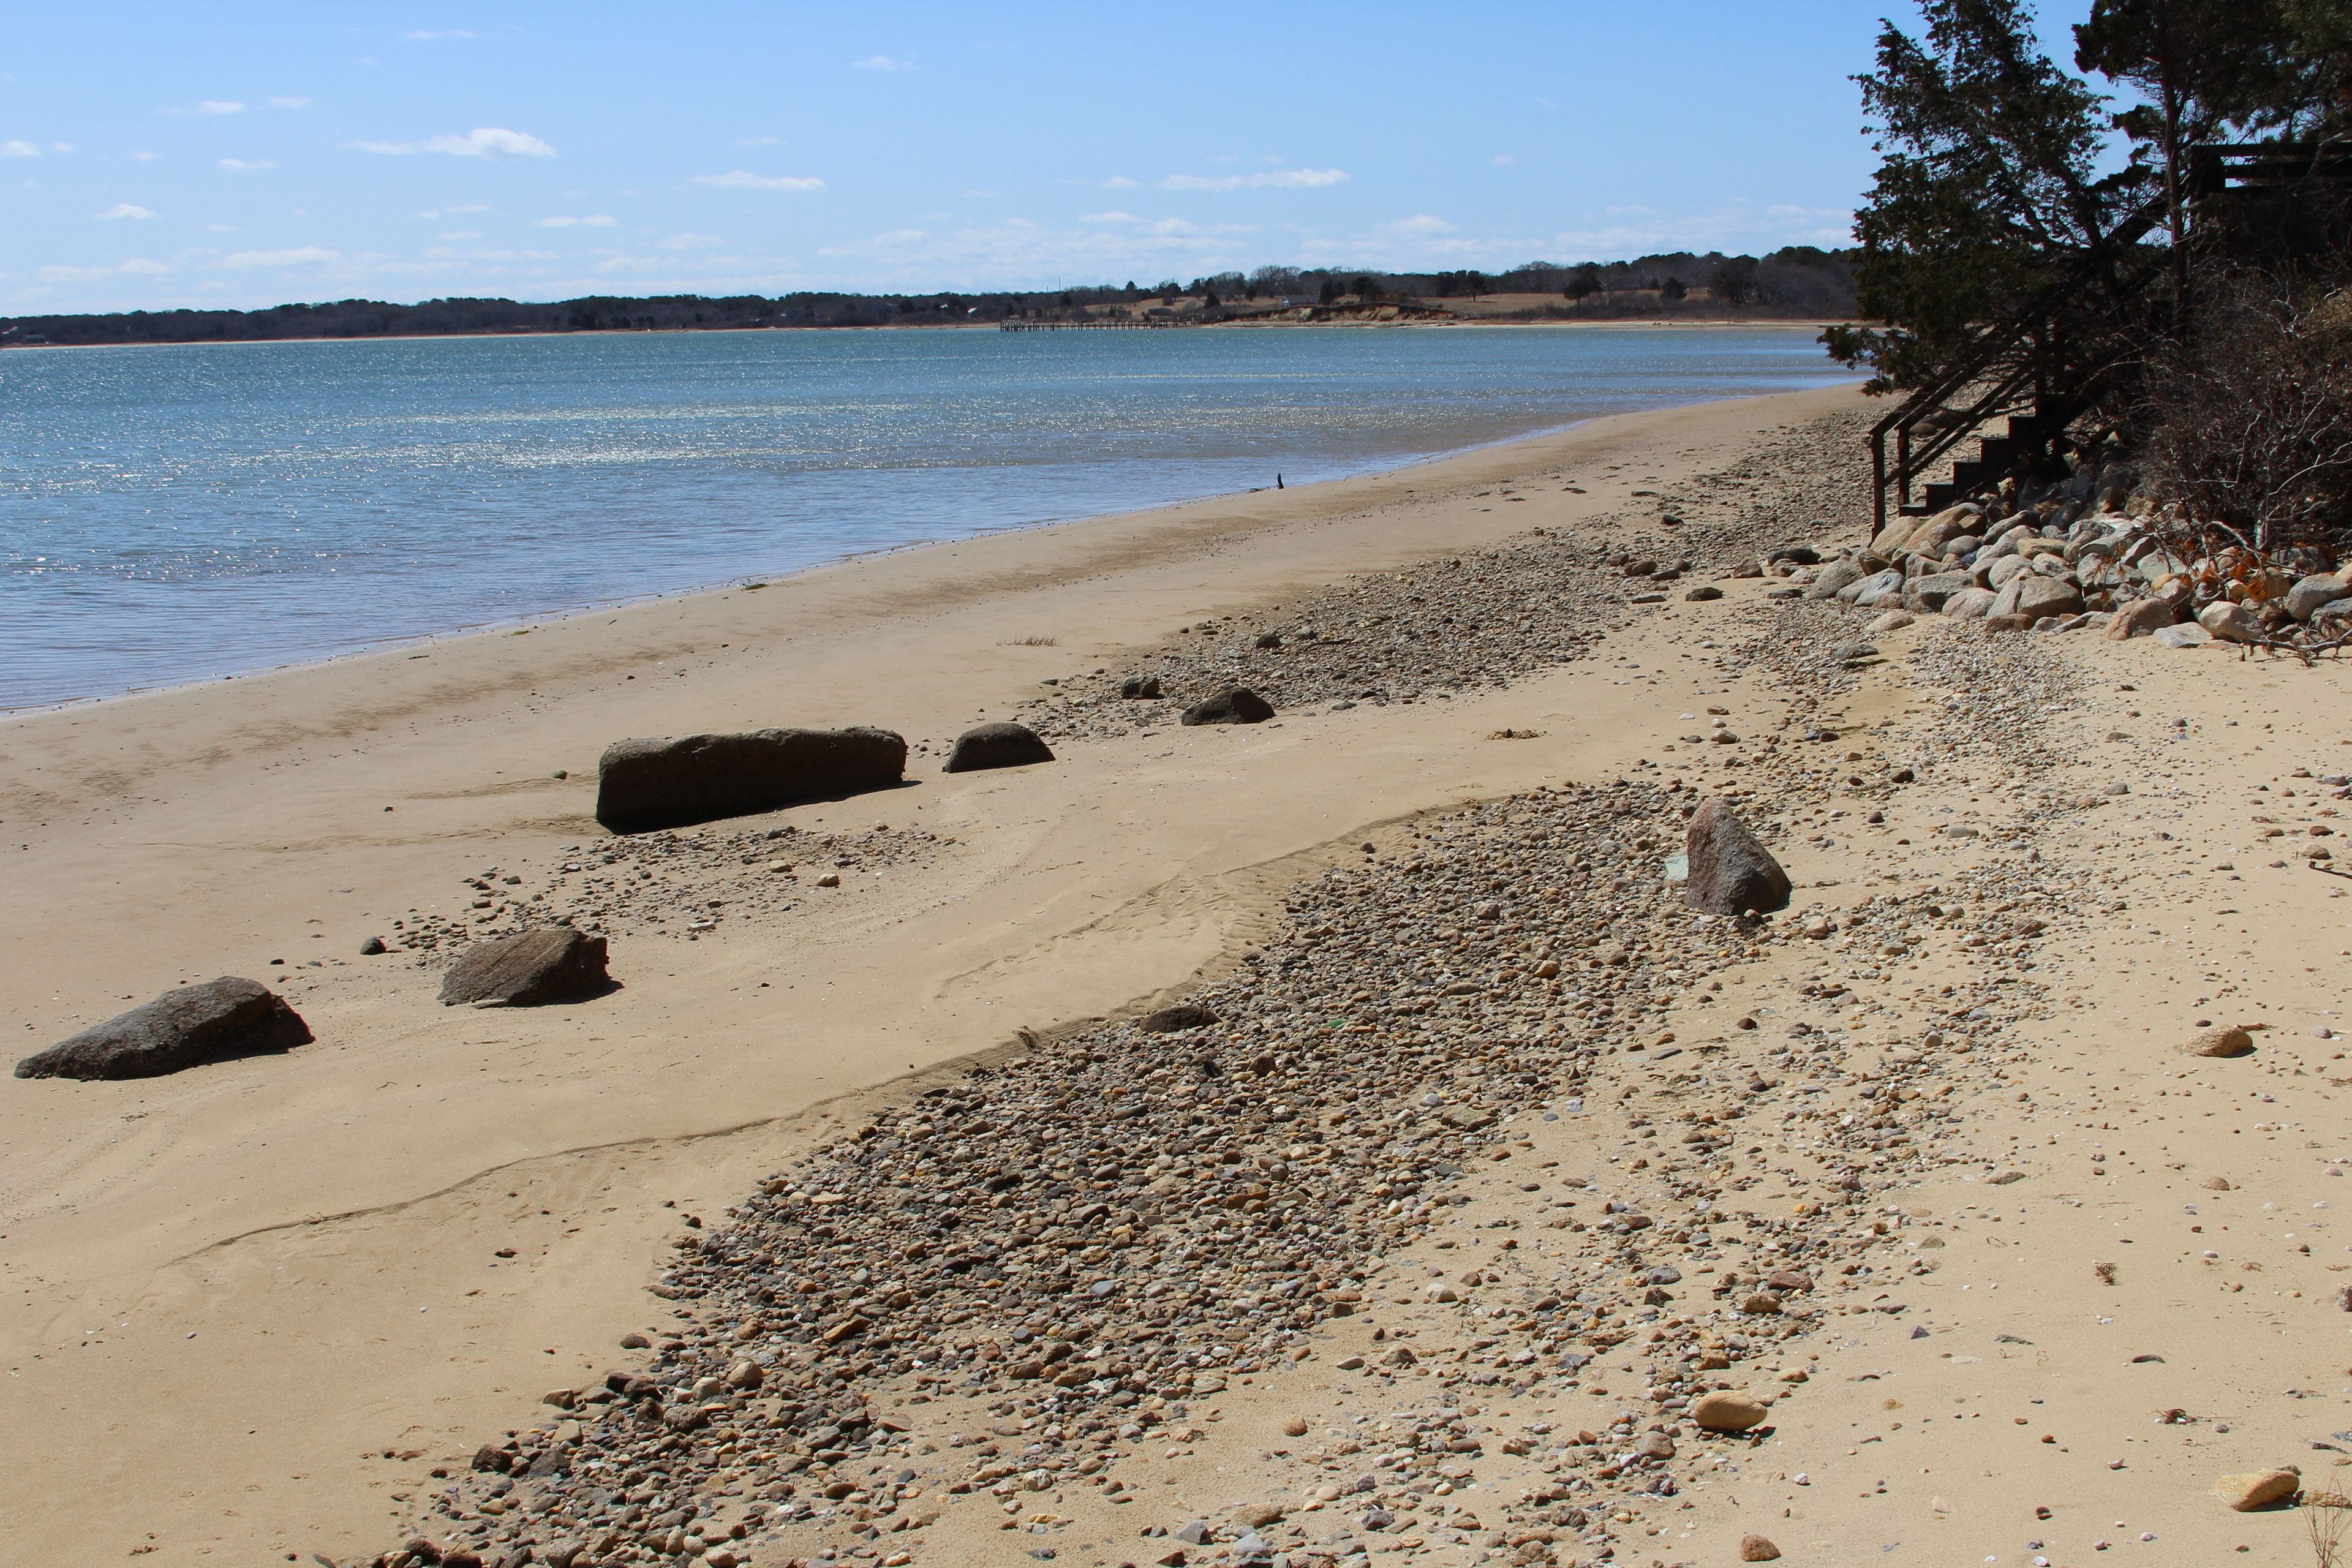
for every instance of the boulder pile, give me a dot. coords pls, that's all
(2091, 550)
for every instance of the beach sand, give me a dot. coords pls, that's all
(250, 1306)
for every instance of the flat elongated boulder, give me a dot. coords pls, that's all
(217, 1021)
(1730, 872)
(997, 746)
(645, 784)
(2305, 599)
(2141, 617)
(1171, 1020)
(2258, 1488)
(1233, 705)
(1929, 592)
(554, 963)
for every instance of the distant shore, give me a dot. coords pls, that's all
(1626, 324)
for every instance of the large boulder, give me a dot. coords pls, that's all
(1832, 578)
(1970, 604)
(2139, 618)
(2305, 599)
(997, 746)
(645, 784)
(1233, 705)
(1927, 593)
(2233, 623)
(2033, 595)
(1730, 873)
(1879, 587)
(217, 1021)
(1173, 1020)
(554, 963)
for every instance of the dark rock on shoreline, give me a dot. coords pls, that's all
(997, 746)
(644, 784)
(219, 1020)
(1169, 1020)
(1139, 687)
(1730, 872)
(1233, 705)
(554, 965)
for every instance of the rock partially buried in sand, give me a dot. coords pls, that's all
(1233, 705)
(2231, 623)
(1137, 688)
(1757, 1549)
(1169, 1020)
(1704, 594)
(219, 1020)
(645, 784)
(2221, 1043)
(2258, 1489)
(1730, 873)
(552, 964)
(1726, 1411)
(997, 746)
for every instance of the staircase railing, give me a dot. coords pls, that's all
(2004, 360)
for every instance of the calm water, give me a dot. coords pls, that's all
(169, 514)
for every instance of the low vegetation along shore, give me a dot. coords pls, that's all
(1450, 1190)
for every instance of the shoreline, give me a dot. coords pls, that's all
(522, 625)
(1629, 322)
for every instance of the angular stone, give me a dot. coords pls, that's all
(1757, 1549)
(2306, 597)
(2033, 595)
(555, 964)
(2231, 623)
(219, 1020)
(1725, 1411)
(1878, 588)
(645, 784)
(1139, 687)
(1729, 872)
(2140, 618)
(1929, 592)
(2188, 636)
(1970, 604)
(997, 746)
(1892, 621)
(2258, 1489)
(1233, 705)
(1829, 579)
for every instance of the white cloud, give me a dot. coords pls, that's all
(301, 256)
(289, 104)
(240, 166)
(743, 180)
(468, 207)
(1121, 182)
(1266, 179)
(482, 141)
(460, 234)
(427, 36)
(61, 146)
(1422, 223)
(597, 220)
(146, 157)
(134, 268)
(19, 150)
(220, 228)
(1505, 158)
(691, 242)
(220, 106)
(1110, 218)
(126, 209)
(881, 63)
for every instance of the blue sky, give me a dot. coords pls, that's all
(157, 155)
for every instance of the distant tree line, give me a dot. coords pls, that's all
(1799, 282)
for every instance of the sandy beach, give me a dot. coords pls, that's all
(268, 1309)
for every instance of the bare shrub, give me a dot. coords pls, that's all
(2251, 409)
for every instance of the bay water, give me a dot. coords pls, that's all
(169, 514)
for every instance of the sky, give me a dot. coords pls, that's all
(154, 156)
